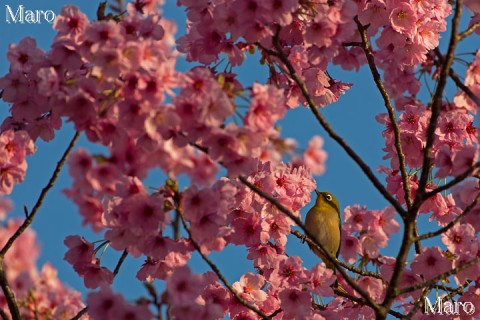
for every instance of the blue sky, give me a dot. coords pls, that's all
(352, 117)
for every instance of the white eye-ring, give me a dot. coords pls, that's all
(328, 197)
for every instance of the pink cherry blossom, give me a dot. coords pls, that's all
(183, 286)
(461, 239)
(250, 287)
(431, 263)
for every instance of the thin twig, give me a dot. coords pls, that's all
(458, 290)
(452, 182)
(442, 276)
(352, 44)
(436, 105)
(355, 157)
(370, 302)
(276, 312)
(388, 105)
(343, 264)
(217, 271)
(451, 223)
(462, 35)
(40, 199)
(456, 78)
(80, 314)
(9, 295)
(120, 262)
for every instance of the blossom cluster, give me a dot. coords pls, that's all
(233, 27)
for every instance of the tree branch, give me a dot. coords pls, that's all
(462, 35)
(452, 182)
(442, 276)
(436, 105)
(9, 295)
(4, 315)
(365, 168)
(343, 264)
(388, 105)
(455, 77)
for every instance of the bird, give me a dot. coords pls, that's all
(324, 223)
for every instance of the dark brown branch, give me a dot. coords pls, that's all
(80, 314)
(120, 262)
(352, 44)
(388, 105)
(452, 182)
(217, 271)
(408, 237)
(343, 264)
(9, 295)
(275, 312)
(115, 272)
(442, 276)
(369, 301)
(355, 157)
(436, 105)
(451, 223)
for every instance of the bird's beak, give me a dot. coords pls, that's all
(317, 192)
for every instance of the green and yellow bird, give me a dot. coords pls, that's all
(323, 221)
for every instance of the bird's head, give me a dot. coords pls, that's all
(326, 200)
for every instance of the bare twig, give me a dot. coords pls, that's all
(9, 295)
(355, 157)
(388, 105)
(451, 223)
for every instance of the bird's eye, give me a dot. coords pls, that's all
(328, 197)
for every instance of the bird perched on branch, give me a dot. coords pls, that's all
(323, 221)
